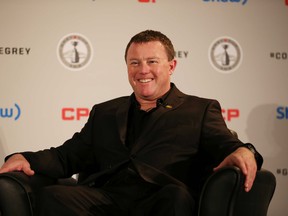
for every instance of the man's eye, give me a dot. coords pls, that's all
(152, 61)
(134, 63)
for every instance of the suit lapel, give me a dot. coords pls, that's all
(162, 109)
(173, 101)
(122, 119)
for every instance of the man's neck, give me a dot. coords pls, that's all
(147, 105)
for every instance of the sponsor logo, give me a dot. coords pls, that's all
(225, 55)
(11, 113)
(74, 52)
(283, 172)
(228, 1)
(72, 114)
(181, 54)
(78, 113)
(230, 114)
(279, 55)
(282, 113)
(15, 51)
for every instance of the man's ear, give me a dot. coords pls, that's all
(173, 64)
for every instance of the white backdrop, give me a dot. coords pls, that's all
(45, 97)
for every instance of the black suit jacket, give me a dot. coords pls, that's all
(185, 137)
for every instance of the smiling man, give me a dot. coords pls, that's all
(147, 154)
(149, 70)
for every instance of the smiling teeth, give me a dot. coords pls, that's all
(145, 80)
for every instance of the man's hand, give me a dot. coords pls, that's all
(17, 162)
(245, 160)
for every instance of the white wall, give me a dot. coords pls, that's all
(35, 82)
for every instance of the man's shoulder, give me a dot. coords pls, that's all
(193, 98)
(200, 100)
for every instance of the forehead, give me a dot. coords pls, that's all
(147, 49)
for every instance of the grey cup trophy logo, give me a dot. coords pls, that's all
(225, 55)
(74, 52)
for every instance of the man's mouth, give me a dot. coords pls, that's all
(145, 80)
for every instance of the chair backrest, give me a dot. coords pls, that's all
(223, 194)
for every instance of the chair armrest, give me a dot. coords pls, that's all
(223, 194)
(17, 192)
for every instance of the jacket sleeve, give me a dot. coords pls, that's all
(75, 155)
(218, 141)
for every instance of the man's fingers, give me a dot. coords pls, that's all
(245, 160)
(250, 177)
(4, 169)
(17, 162)
(28, 171)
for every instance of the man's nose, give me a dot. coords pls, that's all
(144, 68)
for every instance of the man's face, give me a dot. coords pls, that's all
(149, 70)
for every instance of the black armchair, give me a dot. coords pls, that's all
(222, 195)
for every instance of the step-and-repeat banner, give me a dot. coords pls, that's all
(58, 58)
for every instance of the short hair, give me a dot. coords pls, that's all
(151, 35)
